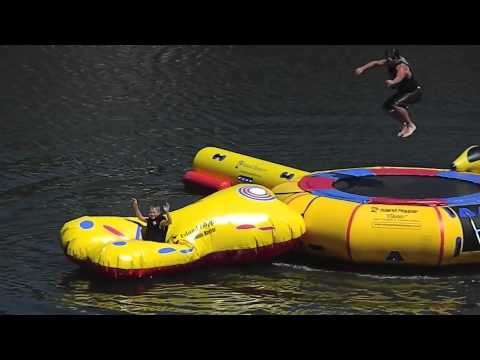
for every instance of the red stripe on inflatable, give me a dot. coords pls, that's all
(245, 226)
(212, 181)
(442, 235)
(349, 227)
(267, 228)
(229, 257)
(394, 201)
(113, 230)
(403, 171)
(309, 183)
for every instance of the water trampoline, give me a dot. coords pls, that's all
(402, 186)
(387, 215)
(371, 215)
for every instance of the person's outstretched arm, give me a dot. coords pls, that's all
(360, 70)
(138, 213)
(166, 207)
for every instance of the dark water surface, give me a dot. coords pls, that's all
(85, 128)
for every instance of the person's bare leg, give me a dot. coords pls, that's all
(410, 128)
(398, 116)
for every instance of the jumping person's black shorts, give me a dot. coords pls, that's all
(403, 99)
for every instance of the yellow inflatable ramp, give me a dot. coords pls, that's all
(241, 224)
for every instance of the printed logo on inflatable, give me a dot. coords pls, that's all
(256, 193)
(470, 219)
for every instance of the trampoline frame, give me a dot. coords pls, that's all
(322, 184)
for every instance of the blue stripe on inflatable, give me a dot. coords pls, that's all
(354, 172)
(472, 199)
(336, 194)
(138, 234)
(324, 175)
(460, 176)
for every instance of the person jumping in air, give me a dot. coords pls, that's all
(408, 90)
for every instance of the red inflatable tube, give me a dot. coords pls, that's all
(211, 181)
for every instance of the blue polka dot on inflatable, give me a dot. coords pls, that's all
(186, 251)
(86, 224)
(166, 250)
(120, 243)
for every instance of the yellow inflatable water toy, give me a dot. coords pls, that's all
(219, 168)
(243, 223)
(469, 160)
(378, 215)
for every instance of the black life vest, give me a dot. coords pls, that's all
(406, 85)
(154, 231)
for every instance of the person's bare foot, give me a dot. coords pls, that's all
(404, 128)
(409, 130)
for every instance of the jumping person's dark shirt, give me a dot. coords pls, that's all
(154, 231)
(406, 85)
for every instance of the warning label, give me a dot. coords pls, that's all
(395, 218)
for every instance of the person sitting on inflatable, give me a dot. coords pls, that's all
(157, 221)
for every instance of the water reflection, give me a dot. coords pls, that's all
(279, 288)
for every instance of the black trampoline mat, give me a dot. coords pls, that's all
(406, 186)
